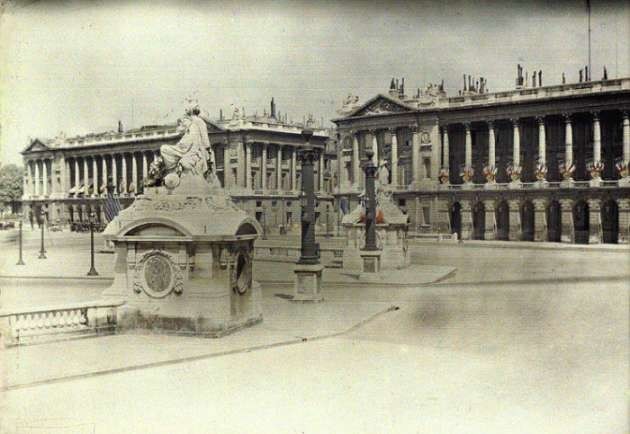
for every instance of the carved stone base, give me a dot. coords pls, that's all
(595, 182)
(515, 185)
(308, 283)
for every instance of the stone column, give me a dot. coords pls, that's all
(394, 171)
(516, 231)
(492, 160)
(63, 172)
(568, 140)
(125, 184)
(415, 156)
(26, 180)
(321, 171)
(597, 139)
(263, 167)
(134, 171)
(626, 138)
(377, 155)
(356, 177)
(77, 179)
(445, 147)
(105, 174)
(624, 220)
(114, 173)
(86, 174)
(145, 166)
(516, 155)
(44, 178)
(36, 177)
(95, 176)
(594, 221)
(294, 186)
(468, 158)
(248, 165)
(467, 224)
(490, 220)
(542, 141)
(227, 169)
(279, 168)
(540, 219)
(568, 230)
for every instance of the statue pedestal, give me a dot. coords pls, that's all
(184, 264)
(371, 261)
(308, 282)
(391, 238)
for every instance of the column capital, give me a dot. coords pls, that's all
(540, 119)
(515, 122)
(625, 114)
(392, 130)
(567, 117)
(595, 114)
(490, 124)
(489, 204)
(414, 129)
(466, 126)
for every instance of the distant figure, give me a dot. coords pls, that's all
(540, 78)
(534, 79)
(30, 218)
(580, 76)
(587, 77)
(605, 73)
(564, 79)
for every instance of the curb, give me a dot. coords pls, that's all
(298, 340)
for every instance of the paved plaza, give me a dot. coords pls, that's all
(519, 340)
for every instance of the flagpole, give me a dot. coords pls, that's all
(588, 8)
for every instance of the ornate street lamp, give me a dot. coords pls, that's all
(42, 251)
(370, 201)
(308, 156)
(20, 260)
(308, 270)
(92, 271)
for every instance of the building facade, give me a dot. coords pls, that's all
(535, 163)
(256, 160)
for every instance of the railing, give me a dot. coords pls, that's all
(329, 256)
(527, 185)
(30, 325)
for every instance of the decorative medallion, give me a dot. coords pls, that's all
(157, 274)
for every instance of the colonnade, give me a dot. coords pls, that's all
(542, 146)
(271, 158)
(126, 170)
(391, 137)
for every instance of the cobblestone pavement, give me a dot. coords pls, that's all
(518, 341)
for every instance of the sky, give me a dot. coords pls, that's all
(80, 67)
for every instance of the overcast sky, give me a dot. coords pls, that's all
(79, 67)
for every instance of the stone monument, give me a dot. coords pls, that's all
(183, 250)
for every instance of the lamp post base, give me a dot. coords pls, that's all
(92, 272)
(308, 282)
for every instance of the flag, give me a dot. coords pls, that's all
(112, 207)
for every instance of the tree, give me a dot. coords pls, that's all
(11, 185)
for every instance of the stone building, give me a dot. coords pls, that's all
(255, 158)
(533, 163)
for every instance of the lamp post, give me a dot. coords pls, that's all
(370, 201)
(309, 248)
(42, 251)
(308, 270)
(20, 260)
(92, 271)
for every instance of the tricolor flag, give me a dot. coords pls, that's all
(112, 207)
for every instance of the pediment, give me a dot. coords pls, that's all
(35, 146)
(380, 105)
